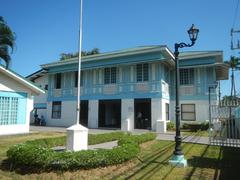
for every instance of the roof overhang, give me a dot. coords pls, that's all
(168, 56)
(36, 74)
(21, 80)
(222, 71)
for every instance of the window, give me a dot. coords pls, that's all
(76, 79)
(167, 111)
(110, 75)
(56, 109)
(142, 72)
(186, 76)
(188, 112)
(8, 110)
(58, 78)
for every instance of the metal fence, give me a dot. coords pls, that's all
(225, 124)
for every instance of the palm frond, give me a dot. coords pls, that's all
(4, 55)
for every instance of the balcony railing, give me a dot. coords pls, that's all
(111, 89)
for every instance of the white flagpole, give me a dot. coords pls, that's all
(79, 63)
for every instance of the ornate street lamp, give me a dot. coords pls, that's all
(178, 157)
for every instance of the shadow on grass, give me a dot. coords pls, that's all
(223, 165)
(226, 165)
(154, 162)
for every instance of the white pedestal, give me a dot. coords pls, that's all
(77, 138)
(161, 126)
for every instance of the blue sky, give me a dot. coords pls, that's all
(47, 28)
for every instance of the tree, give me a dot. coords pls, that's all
(7, 40)
(234, 64)
(65, 56)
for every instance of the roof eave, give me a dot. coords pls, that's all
(110, 55)
(32, 87)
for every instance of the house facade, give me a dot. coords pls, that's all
(16, 102)
(129, 89)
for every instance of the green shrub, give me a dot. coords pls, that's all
(37, 156)
(170, 125)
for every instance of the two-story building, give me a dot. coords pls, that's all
(129, 89)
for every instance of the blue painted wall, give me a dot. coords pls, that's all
(94, 87)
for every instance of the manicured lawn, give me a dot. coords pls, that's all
(197, 133)
(204, 162)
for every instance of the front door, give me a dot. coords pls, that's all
(110, 113)
(84, 113)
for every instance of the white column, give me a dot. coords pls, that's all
(156, 108)
(93, 114)
(127, 113)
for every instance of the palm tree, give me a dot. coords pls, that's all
(7, 40)
(234, 64)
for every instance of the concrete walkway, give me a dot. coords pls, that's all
(107, 145)
(64, 129)
(192, 139)
(170, 136)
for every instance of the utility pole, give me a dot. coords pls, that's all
(236, 45)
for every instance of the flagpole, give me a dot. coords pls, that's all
(79, 63)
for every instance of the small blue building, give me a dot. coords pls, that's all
(129, 89)
(16, 102)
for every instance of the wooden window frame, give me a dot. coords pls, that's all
(142, 72)
(190, 112)
(58, 112)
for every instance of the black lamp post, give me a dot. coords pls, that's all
(193, 34)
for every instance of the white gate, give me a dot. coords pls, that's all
(225, 124)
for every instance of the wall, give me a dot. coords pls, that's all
(125, 87)
(203, 78)
(93, 113)
(41, 82)
(201, 109)
(68, 114)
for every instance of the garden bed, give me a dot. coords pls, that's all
(38, 155)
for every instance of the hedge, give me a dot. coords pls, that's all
(37, 155)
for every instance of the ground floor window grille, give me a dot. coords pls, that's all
(188, 112)
(8, 110)
(56, 109)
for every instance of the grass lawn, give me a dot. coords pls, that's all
(204, 162)
(186, 132)
(197, 133)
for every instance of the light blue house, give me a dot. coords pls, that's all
(129, 89)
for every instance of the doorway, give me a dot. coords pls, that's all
(84, 113)
(142, 113)
(110, 113)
